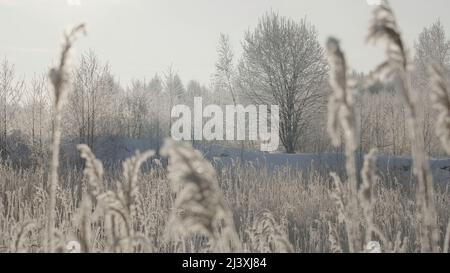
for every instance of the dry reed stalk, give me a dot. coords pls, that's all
(366, 191)
(441, 102)
(128, 197)
(129, 191)
(367, 196)
(120, 205)
(24, 229)
(341, 113)
(93, 170)
(60, 79)
(341, 116)
(399, 244)
(344, 212)
(333, 238)
(384, 28)
(447, 238)
(440, 98)
(267, 236)
(199, 207)
(86, 208)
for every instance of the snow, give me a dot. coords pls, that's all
(388, 166)
(113, 150)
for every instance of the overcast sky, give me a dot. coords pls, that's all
(142, 37)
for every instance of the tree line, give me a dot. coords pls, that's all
(282, 63)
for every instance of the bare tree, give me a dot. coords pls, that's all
(432, 47)
(11, 91)
(225, 76)
(138, 100)
(193, 89)
(92, 81)
(173, 88)
(38, 102)
(283, 63)
(225, 72)
(155, 87)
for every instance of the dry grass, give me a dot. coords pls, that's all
(301, 205)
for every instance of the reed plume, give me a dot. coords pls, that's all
(129, 190)
(121, 203)
(24, 229)
(335, 246)
(267, 236)
(440, 98)
(447, 238)
(441, 102)
(344, 212)
(60, 79)
(367, 196)
(384, 28)
(341, 117)
(199, 207)
(341, 113)
(93, 170)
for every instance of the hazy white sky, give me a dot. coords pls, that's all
(142, 37)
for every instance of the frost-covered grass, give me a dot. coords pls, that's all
(301, 206)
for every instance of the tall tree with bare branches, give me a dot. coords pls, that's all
(92, 81)
(283, 63)
(11, 91)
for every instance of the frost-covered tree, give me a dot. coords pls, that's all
(155, 88)
(11, 91)
(283, 63)
(155, 85)
(93, 83)
(431, 47)
(174, 89)
(137, 101)
(224, 77)
(37, 102)
(193, 89)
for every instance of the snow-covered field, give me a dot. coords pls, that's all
(115, 150)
